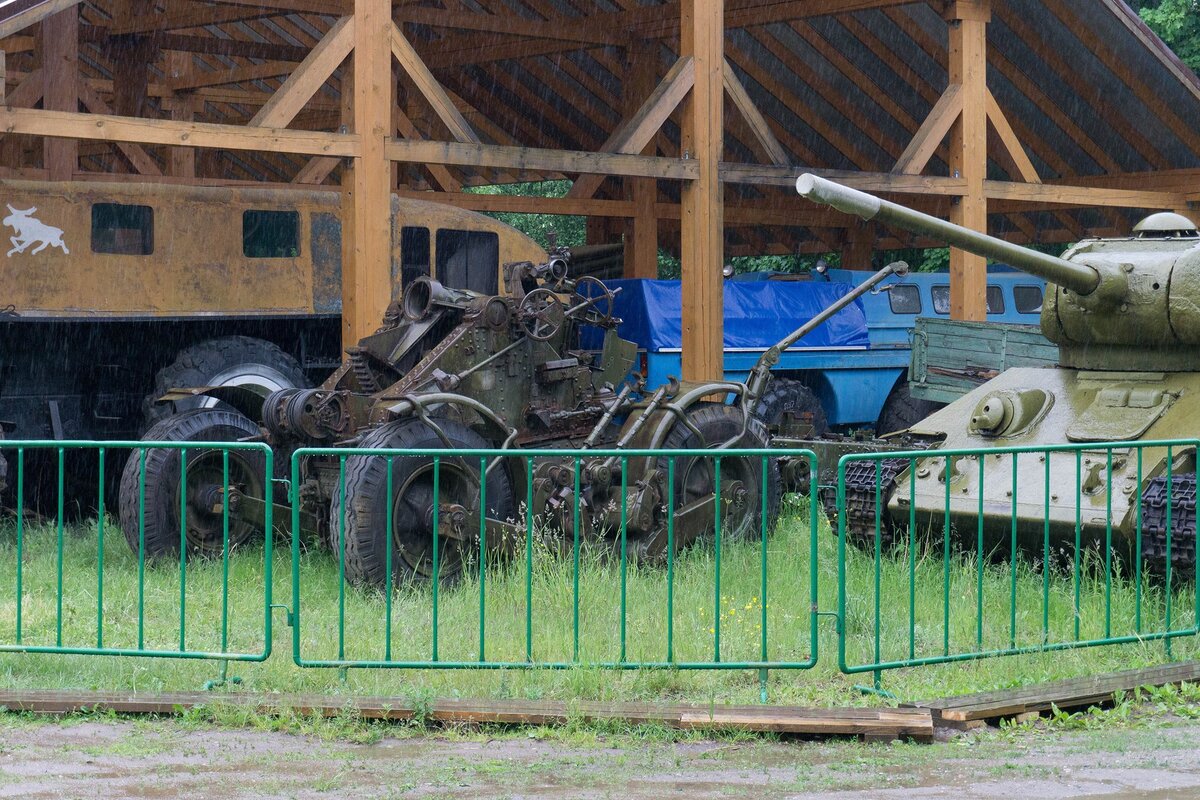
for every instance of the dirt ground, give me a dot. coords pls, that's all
(110, 759)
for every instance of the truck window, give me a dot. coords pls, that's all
(905, 298)
(469, 260)
(1028, 299)
(270, 234)
(941, 299)
(122, 229)
(414, 253)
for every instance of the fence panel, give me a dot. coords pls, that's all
(76, 591)
(1013, 550)
(565, 591)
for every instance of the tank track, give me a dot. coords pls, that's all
(860, 501)
(1183, 524)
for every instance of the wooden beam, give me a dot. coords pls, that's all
(537, 159)
(179, 67)
(925, 142)
(429, 87)
(753, 117)
(60, 81)
(702, 227)
(141, 161)
(367, 276)
(635, 133)
(579, 33)
(302, 84)
(884, 182)
(1012, 143)
(1083, 196)
(968, 151)
(520, 204)
(33, 14)
(641, 229)
(858, 246)
(65, 125)
(244, 74)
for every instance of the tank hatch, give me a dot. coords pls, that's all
(1166, 225)
(1119, 412)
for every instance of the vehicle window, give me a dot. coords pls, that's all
(1028, 299)
(122, 229)
(414, 253)
(469, 260)
(995, 300)
(905, 298)
(941, 299)
(270, 234)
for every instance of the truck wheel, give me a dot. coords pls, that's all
(228, 361)
(205, 478)
(695, 476)
(365, 515)
(901, 411)
(787, 397)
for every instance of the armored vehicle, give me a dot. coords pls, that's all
(454, 369)
(1125, 314)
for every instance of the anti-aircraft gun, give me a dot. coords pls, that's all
(457, 370)
(1125, 313)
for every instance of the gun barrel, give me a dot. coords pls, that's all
(1076, 277)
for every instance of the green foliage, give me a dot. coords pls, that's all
(571, 230)
(1177, 22)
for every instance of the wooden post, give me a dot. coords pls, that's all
(641, 231)
(182, 159)
(858, 245)
(366, 277)
(60, 71)
(968, 151)
(702, 229)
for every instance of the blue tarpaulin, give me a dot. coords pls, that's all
(757, 314)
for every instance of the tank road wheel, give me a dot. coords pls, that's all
(205, 480)
(901, 410)
(228, 361)
(695, 479)
(367, 501)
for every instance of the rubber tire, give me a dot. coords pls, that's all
(162, 480)
(718, 423)
(365, 555)
(201, 363)
(902, 411)
(783, 396)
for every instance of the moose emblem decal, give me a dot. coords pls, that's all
(32, 231)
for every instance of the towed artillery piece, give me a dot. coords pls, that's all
(461, 371)
(1125, 313)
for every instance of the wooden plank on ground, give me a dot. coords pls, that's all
(1064, 694)
(913, 723)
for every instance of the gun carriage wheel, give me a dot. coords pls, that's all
(542, 314)
(358, 523)
(158, 492)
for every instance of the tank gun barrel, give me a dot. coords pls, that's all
(1076, 277)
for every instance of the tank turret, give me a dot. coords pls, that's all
(1127, 303)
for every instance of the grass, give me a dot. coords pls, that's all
(739, 604)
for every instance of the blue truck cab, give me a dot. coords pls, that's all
(855, 364)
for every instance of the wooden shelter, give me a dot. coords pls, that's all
(682, 123)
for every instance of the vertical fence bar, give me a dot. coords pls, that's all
(624, 557)
(1012, 553)
(814, 641)
(1078, 534)
(529, 559)
(878, 552)
(294, 498)
(762, 589)
(1046, 551)
(717, 558)
(342, 559)
(183, 546)
(58, 625)
(483, 511)
(100, 551)
(1170, 498)
(671, 559)
(912, 557)
(575, 568)
(948, 467)
(1108, 546)
(437, 502)
(1137, 558)
(20, 538)
(390, 529)
(979, 565)
(225, 550)
(141, 572)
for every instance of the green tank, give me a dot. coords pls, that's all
(1125, 313)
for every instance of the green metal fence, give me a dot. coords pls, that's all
(1014, 550)
(133, 602)
(555, 603)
